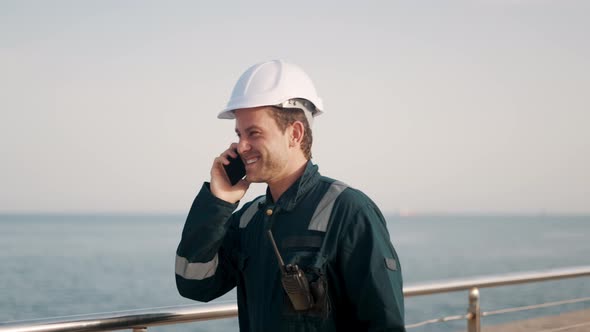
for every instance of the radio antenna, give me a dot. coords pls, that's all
(274, 246)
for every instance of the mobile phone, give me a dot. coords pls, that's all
(235, 170)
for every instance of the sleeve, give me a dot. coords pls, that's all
(371, 272)
(205, 258)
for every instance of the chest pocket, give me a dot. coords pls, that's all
(313, 264)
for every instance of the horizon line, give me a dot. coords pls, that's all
(397, 213)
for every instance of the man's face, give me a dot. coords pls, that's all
(263, 147)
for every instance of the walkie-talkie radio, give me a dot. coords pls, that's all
(294, 281)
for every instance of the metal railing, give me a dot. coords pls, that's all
(140, 320)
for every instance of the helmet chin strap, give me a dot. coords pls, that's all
(309, 117)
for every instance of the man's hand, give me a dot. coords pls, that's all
(220, 184)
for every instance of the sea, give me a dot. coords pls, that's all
(63, 265)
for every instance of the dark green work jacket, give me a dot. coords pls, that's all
(334, 233)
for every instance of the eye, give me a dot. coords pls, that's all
(254, 133)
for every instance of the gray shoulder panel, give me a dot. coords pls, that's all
(250, 212)
(321, 216)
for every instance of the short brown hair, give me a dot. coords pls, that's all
(287, 116)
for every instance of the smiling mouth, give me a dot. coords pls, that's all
(251, 160)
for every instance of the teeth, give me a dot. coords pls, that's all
(251, 161)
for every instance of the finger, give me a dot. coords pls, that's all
(233, 150)
(222, 160)
(232, 153)
(218, 171)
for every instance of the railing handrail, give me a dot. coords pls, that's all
(191, 313)
(127, 319)
(445, 286)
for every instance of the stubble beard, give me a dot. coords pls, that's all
(265, 171)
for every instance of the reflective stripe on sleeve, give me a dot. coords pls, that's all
(196, 271)
(321, 216)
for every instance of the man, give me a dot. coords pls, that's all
(312, 254)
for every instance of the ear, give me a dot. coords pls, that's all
(296, 133)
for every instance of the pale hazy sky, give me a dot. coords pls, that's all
(430, 106)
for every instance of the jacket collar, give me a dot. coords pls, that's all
(298, 189)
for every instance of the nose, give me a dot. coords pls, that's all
(243, 146)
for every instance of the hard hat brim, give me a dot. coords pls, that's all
(228, 111)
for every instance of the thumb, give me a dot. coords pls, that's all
(243, 184)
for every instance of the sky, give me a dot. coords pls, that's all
(478, 106)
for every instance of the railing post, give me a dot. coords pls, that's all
(473, 314)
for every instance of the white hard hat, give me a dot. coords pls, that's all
(274, 83)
